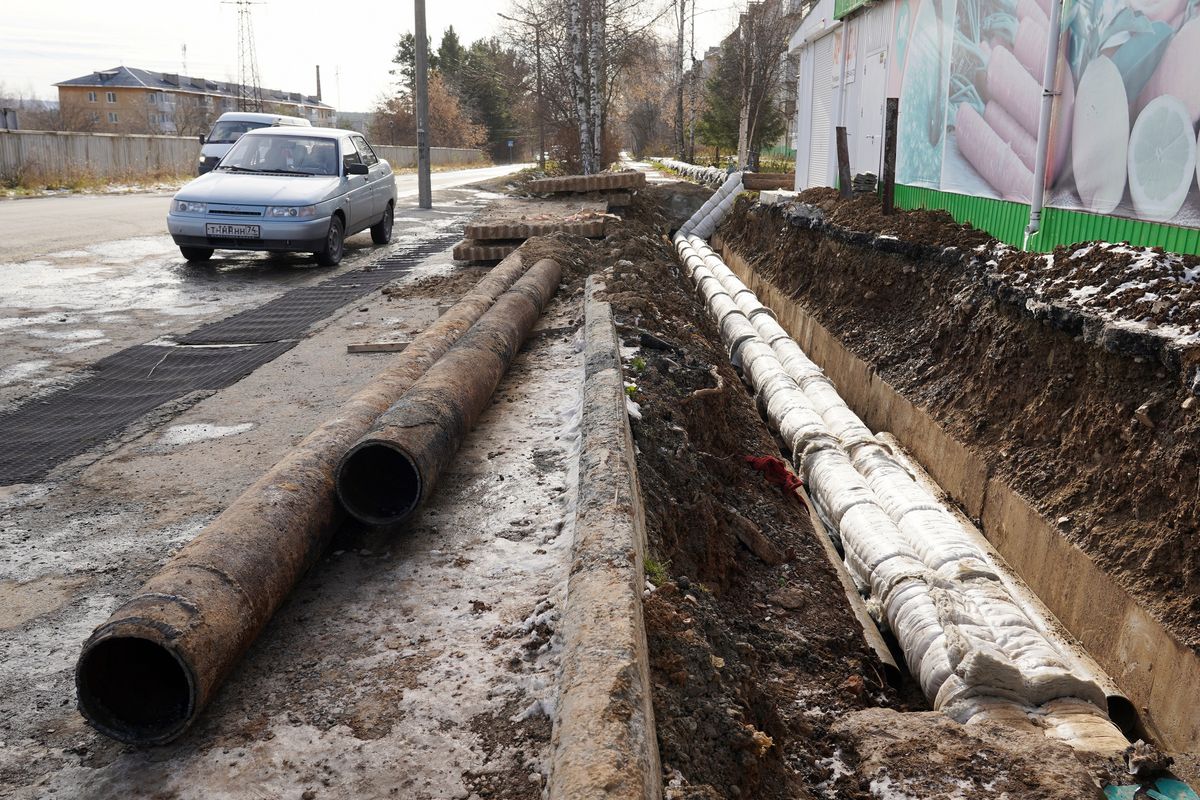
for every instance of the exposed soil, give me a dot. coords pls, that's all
(864, 213)
(744, 689)
(1107, 444)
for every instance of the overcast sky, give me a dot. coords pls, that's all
(46, 41)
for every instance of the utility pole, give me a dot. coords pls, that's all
(424, 193)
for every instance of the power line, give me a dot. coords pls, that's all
(249, 89)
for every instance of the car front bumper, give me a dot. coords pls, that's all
(274, 234)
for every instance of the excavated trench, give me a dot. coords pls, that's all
(1026, 428)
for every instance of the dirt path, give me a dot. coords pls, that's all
(417, 663)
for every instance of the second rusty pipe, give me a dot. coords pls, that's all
(393, 469)
(146, 673)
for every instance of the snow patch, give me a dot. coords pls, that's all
(200, 432)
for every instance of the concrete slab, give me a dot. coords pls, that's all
(600, 182)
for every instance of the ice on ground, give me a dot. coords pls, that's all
(190, 434)
(22, 371)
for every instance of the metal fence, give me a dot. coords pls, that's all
(28, 157)
(406, 156)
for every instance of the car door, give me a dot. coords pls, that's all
(357, 189)
(378, 173)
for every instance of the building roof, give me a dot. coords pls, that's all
(134, 78)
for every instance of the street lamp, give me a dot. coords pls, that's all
(537, 48)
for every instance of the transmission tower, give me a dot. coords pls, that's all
(249, 90)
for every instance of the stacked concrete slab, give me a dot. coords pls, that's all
(503, 229)
(601, 182)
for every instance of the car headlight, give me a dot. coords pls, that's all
(292, 212)
(188, 207)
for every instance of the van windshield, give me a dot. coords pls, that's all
(229, 131)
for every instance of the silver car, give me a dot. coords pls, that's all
(287, 189)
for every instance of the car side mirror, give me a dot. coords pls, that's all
(202, 139)
(357, 169)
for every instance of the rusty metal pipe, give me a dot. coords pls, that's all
(393, 469)
(145, 675)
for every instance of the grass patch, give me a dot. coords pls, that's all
(655, 570)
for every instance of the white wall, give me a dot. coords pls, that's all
(854, 98)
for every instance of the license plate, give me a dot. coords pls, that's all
(233, 231)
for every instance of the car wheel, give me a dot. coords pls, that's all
(196, 253)
(381, 232)
(335, 244)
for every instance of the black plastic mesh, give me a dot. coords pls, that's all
(39, 435)
(290, 315)
(47, 431)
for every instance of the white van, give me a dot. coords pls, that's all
(228, 129)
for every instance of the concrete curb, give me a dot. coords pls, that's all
(604, 738)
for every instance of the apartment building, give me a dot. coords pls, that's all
(131, 100)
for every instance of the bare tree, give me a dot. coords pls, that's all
(643, 102)
(586, 47)
(763, 36)
(193, 116)
(581, 83)
(680, 143)
(597, 55)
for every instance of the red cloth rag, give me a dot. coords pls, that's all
(776, 471)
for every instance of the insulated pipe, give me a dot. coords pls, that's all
(393, 468)
(974, 648)
(146, 674)
(731, 187)
(1049, 84)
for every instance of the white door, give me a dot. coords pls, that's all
(871, 107)
(820, 140)
(873, 90)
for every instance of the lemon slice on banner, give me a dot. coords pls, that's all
(1162, 158)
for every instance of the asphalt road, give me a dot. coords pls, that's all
(82, 277)
(33, 227)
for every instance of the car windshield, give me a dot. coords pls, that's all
(230, 131)
(293, 155)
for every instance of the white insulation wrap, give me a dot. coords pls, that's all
(969, 642)
(710, 176)
(706, 219)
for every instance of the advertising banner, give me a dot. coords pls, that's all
(1123, 136)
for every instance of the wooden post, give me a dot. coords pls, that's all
(892, 113)
(843, 156)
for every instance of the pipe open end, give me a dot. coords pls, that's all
(134, 690)
(1125, 716)
(378, 483)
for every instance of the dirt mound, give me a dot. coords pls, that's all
(1106, 444)
(865, 213)
(1141, 285)
(930, 756)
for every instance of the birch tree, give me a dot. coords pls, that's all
(597, 35)
(680, 141)
(762, 42)
(587, 47)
